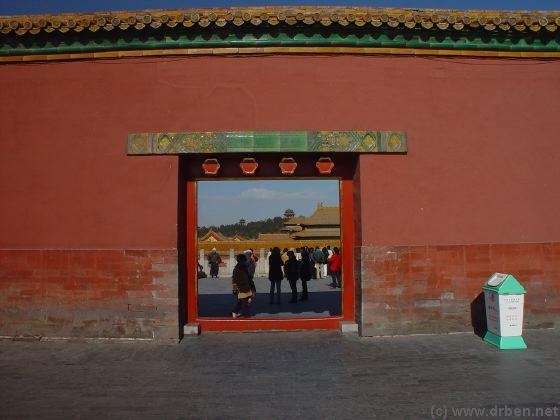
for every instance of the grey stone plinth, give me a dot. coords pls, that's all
(191, 330)
(348, 327)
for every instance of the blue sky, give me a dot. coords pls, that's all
(14, 7)
(225, 202)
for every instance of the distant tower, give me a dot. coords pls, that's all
(289, 213)
(242, 222)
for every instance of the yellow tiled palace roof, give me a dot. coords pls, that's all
(280, 30)
(457, 20)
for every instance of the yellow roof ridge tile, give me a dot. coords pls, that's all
(443, 19)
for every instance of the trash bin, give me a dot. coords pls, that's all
(504, 297)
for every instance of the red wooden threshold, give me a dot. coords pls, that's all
(252, 324)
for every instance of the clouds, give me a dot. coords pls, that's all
(269, 194)
(224, 202)
(265, 194)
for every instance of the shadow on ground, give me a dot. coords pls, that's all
(320, 304)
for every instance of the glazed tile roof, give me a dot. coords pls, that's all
(273, 236)
(211, 233)
(317, 233)
(323, 215)
(491, 21)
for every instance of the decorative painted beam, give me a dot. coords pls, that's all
(267, 142)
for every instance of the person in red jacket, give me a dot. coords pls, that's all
(335, 265)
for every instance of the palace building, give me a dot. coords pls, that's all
(440, 126)
(323, 224)
(213, 236)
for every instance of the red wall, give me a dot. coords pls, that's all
(482, 165)
(483, 159)
(482, 168)
(66, 181)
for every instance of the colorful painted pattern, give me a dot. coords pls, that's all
(267, 141)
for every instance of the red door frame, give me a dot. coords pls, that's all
(254, 324)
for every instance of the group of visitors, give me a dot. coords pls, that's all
(318, 258)
(287, 265)
(300, 264)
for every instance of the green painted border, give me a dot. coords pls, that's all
(505, 343)
(417, 39)
(267, 142)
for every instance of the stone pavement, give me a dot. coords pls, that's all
(310, 375)
(216, 300)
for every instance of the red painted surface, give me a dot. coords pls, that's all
(482, 132)
(191, 254)
(249, 166)
(347, 228)
(211, 167)
(481, 168)
(288, 166)
(324, 166)
(89, 293)
(294, 324)
(431, 288)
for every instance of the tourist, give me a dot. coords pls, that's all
(291, 271)
(335, 264)
(251, 266)
(200, 274)
(325, 258)
(275, 274)
(305, 271)
(317, 257)
(214, 260)
(330, 253)
(255, 260)
(298, 254)
(253, 255)
(241, 288)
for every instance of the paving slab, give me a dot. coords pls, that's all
(311, 375)
(215, 299)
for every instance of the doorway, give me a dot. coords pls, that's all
(296, 220)
(213, 224)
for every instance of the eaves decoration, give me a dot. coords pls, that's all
(280, 30)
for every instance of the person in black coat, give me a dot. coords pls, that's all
(214, 260)
(275, 274)
(305, 271)
(241, 288)
(291, 271)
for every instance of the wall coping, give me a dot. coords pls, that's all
(331, 30)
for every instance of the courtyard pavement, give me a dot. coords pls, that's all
(216, 300)
(309, 375)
